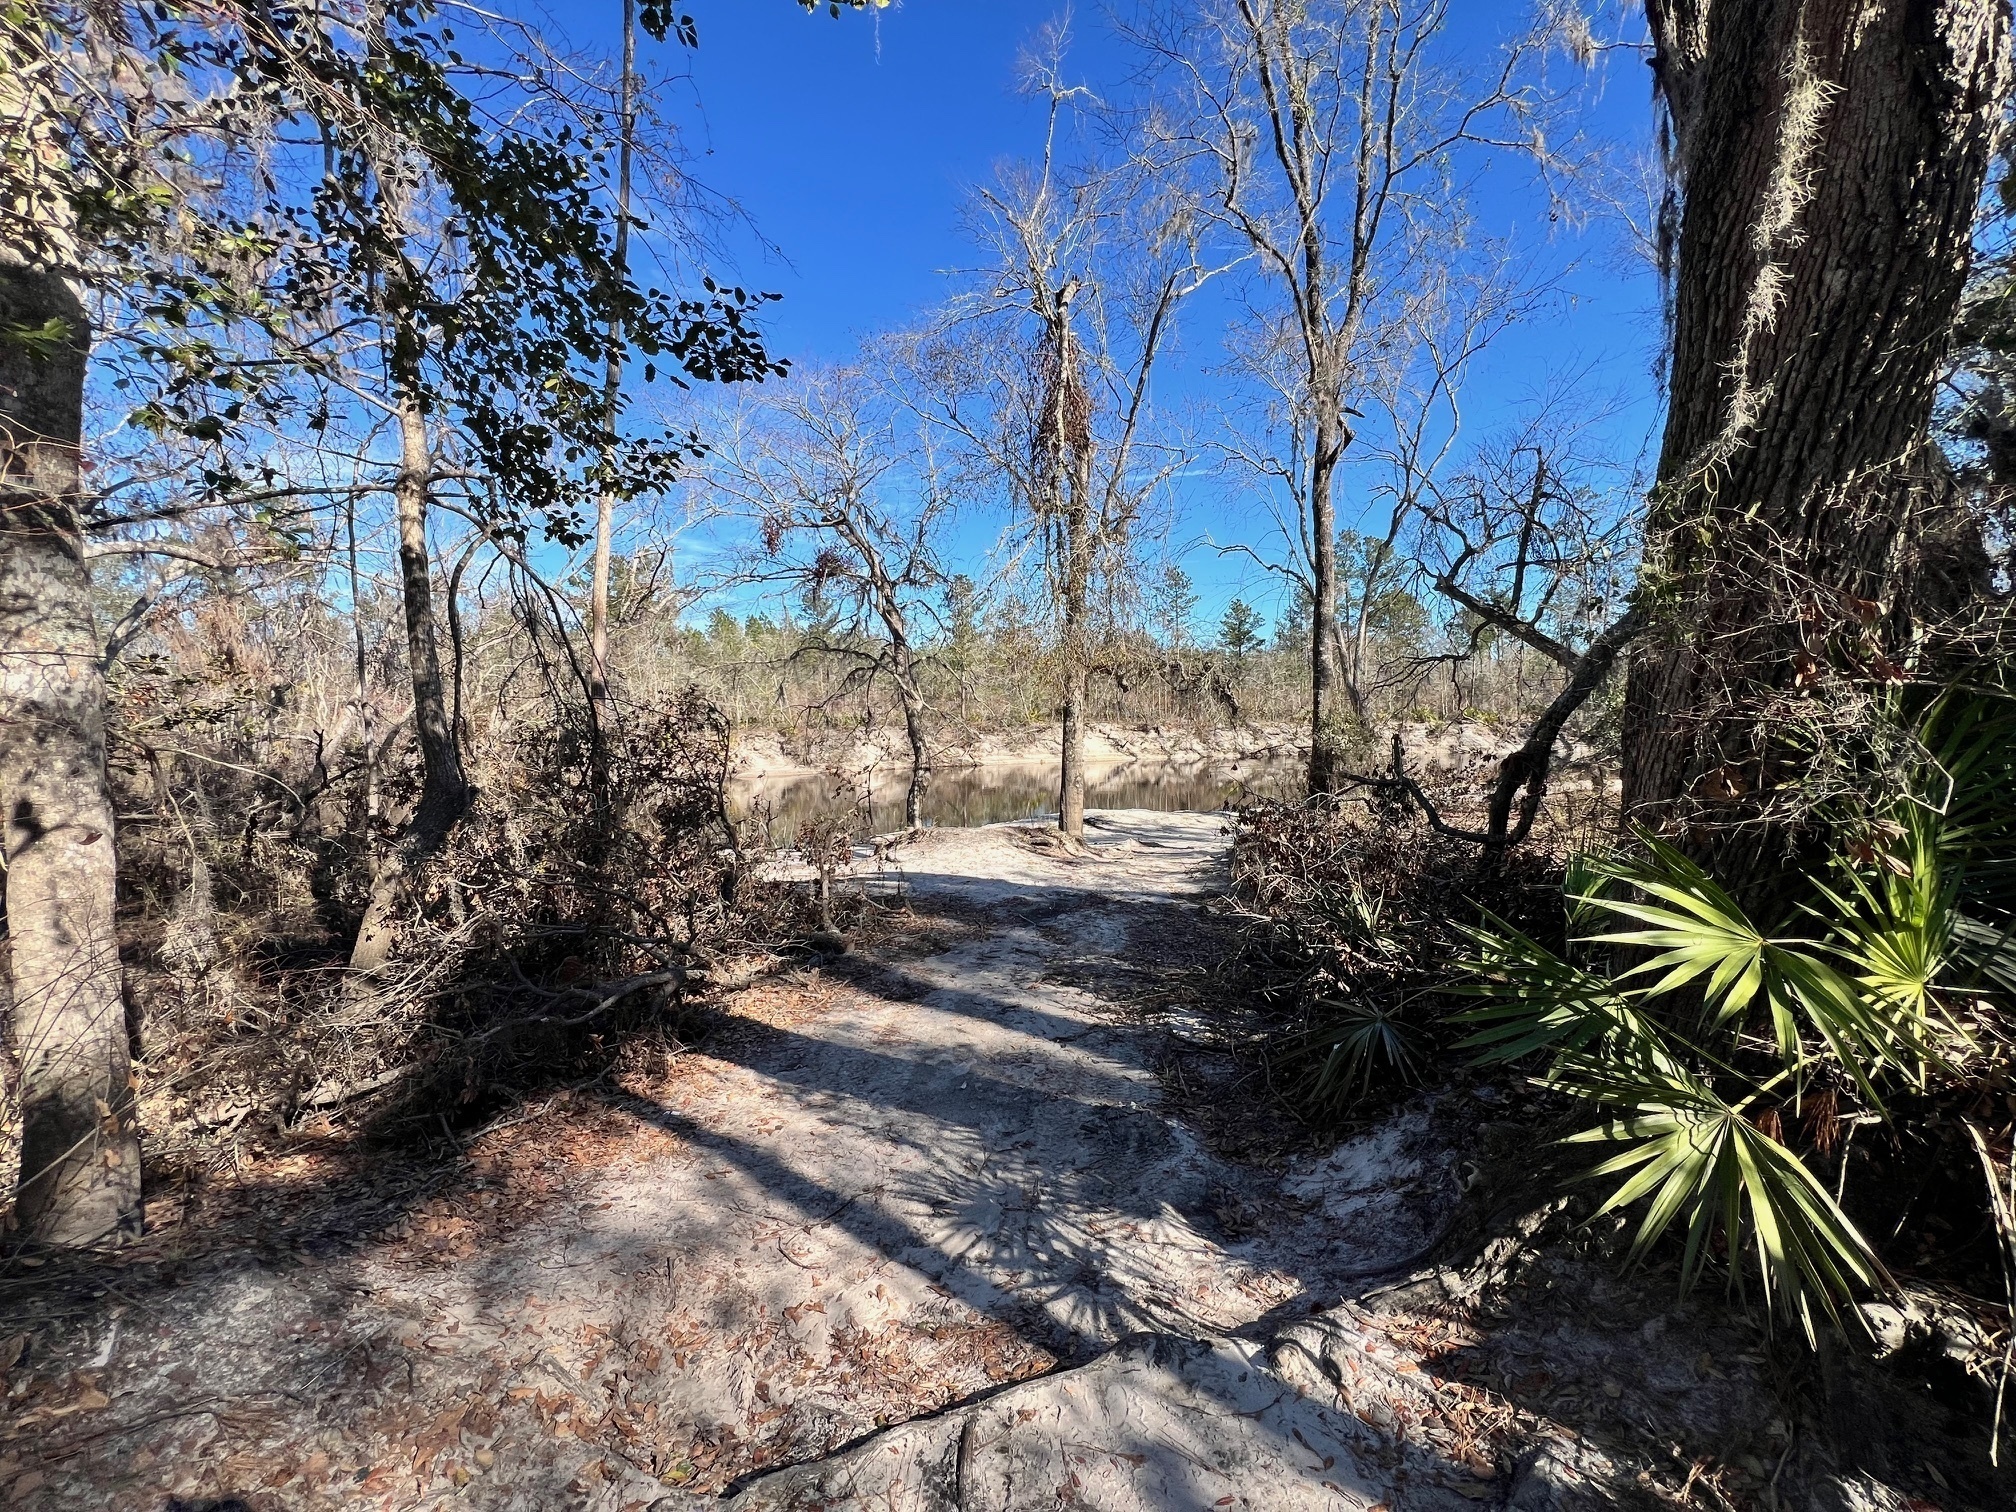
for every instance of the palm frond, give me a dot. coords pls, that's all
(1535, 1001)
(1364, 1038)
(1895, 933)
(1703, 936)
(1969, 736)
(1691, 1156)
(1696, 1156)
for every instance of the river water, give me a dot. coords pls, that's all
(964, 796)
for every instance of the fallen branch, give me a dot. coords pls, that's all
(603, 998)
(327, 1096)
(612, 994)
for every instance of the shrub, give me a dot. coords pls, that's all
(564, 912)
(1724, 1063)
(1354, 912)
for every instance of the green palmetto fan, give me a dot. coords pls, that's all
(1537, 1002)
(1970, 740)
(1689, 1049)
(1692, 1154)
(1704, 939)
(1971, 744)
(1362, 1036)
(1899, 937)
(1697, 1157)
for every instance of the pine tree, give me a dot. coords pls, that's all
(1172, 607)
(1240, 632)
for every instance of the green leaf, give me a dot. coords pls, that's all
(1698, 1157)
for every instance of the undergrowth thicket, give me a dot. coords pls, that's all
(1816, 1104)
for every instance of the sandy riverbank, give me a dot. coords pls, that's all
(764, 754)
(1459, 750)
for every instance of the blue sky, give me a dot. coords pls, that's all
(851, 145)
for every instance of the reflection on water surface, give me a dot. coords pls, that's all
(965, 796)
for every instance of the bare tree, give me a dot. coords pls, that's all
(1042, 371)
(1411, 407)
(1532, 539)
(852, 525)
(1323, 136)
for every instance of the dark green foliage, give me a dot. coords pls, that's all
(313, 181)
(1704, 1042)
(1239, 632)
(1172, 606)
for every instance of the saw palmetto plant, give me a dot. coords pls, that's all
(1701, 1042)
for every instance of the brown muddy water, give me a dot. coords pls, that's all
(961, 797)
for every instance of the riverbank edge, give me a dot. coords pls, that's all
(1457, 747)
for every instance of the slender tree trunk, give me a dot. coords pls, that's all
(1070, 487)
(920, 754)
(1832, 155)
(80, 1152)
(1071, 768)
(612, 388)
(598, 608)
(912, 695)
(1526, 769)
(1326, 718)
(445, 794)
(364, 718)
(1077, 652)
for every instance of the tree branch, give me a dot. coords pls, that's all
(1510, 623)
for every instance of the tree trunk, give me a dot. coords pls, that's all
(612, 388)
(1526, 769)
(913, 728)
(445, 794)
(1077, 607)
(1326, 744)
(920, 772)
(1831, 154)
(1071, 769)
(1069, 504)
(80, 1151)
(598, 608)
(365, 721)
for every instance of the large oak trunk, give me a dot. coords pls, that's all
(1831, 154)
(80, 1154)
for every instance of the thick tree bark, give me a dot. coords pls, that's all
(80, 1153)
(445, 794)
(1831, 154)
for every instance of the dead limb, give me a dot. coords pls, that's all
(602, 998)
(1525, 769)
